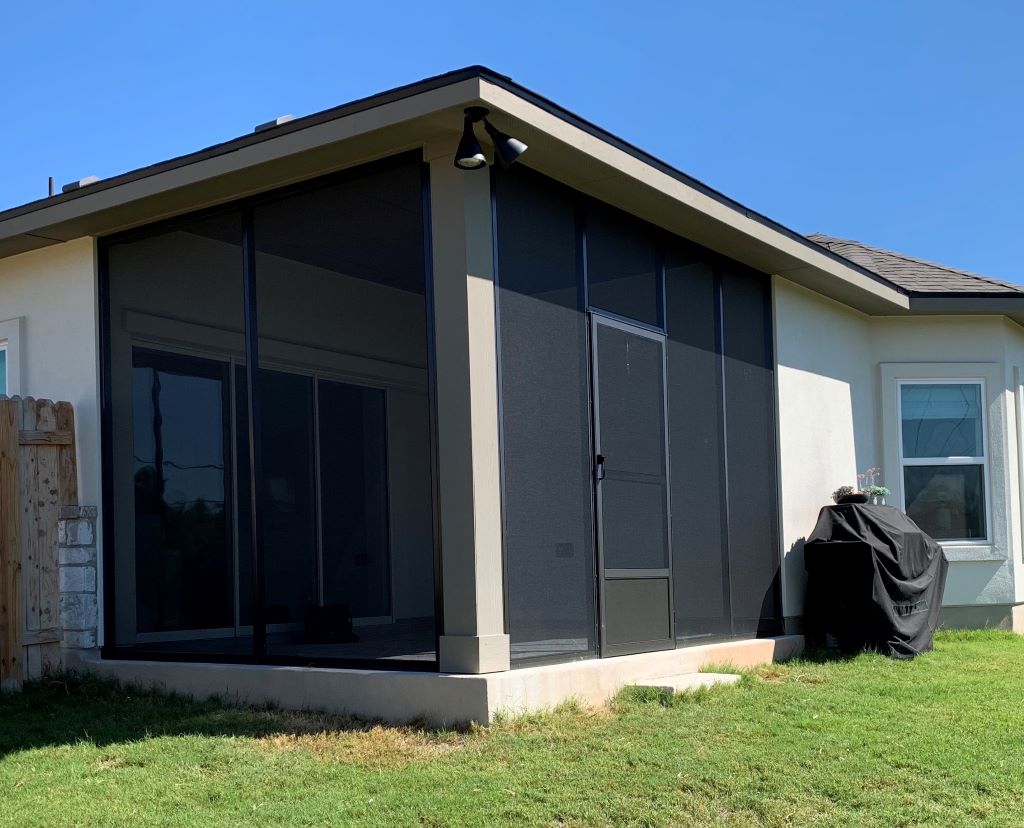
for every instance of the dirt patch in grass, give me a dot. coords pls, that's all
(340, 740)
(376, 747)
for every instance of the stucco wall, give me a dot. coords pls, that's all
(827, 404)
(53, 291)
(836, 367)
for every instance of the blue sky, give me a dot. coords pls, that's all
(896, 123)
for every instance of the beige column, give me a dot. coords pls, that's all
(473, 639)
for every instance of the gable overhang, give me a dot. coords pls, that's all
(429, 114)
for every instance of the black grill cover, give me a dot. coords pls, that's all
(874, 581)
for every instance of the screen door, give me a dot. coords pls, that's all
(631, 484)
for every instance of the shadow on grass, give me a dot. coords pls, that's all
(70, 709)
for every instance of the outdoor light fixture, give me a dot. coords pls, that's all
(470, 156)
(506, 148)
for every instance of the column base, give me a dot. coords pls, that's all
(474, 653)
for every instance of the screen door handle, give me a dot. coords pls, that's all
(599, 467)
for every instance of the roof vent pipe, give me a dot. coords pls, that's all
(283, 119)
(77, 185)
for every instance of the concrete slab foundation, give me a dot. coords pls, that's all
(435, 698)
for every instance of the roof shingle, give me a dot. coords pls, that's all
(913, 274)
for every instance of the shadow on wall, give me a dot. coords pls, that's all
(828, 424)
(797, 577)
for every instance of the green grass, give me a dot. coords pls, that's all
(861, 742)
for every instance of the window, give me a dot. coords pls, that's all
(10, 341)
(943, 458)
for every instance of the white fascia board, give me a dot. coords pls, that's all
(803, 257)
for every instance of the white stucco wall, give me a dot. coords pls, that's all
(836, 370)
(827, 404)
(53, 292)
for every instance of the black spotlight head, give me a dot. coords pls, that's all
(470, 155)
(506, 148)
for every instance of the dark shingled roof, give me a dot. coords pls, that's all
(912, 274)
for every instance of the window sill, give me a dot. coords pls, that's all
(961, 551)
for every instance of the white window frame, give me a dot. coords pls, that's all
(10, 341)
(982, 460)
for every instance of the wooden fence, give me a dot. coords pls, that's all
(37, 478)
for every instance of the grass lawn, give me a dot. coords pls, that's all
(866, 741)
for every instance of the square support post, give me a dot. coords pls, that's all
(473, 639)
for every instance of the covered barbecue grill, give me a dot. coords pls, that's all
(875, 581)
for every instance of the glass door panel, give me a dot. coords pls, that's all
(288, 505)
(184, 566)
(353, 462)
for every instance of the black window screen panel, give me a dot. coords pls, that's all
(751, 451)
(622, 266)
(546, 452)
(175, 317)
(699, 550)
(341, 290)
(339, 266)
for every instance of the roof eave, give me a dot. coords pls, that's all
(562, 145)
(965, 302)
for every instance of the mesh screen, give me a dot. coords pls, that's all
(622, 265)
(750, 435)
(629, 404)
(699, 559)
(545, 423)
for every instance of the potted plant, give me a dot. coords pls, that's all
(876, 492)
(870, 489)
(847, 494)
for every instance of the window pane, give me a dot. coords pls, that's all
(622, 266)
(3, 370)
(182, 544)
(947, 502)
(941, 420)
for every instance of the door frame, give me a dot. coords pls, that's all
(607, 650)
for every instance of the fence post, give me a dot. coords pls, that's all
(10, 547)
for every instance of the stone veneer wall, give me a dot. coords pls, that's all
(77, 577)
